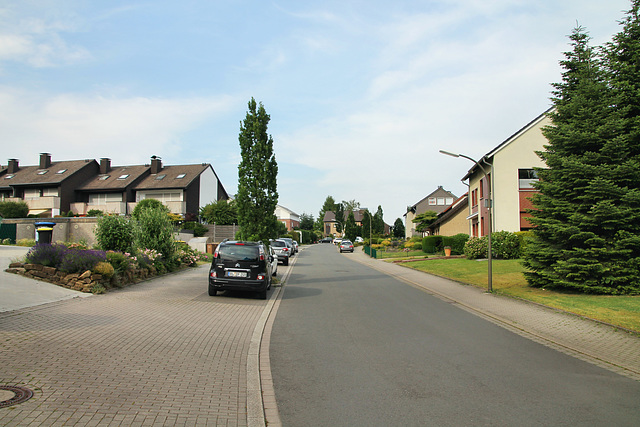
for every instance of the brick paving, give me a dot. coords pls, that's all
(157, 353)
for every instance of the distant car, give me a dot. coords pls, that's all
(346, 246)
(292, 243)
(359, 239)
(337, 241)
(241, 266)
(282, 250)
(326, 240)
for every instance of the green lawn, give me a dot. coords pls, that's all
(508, 279)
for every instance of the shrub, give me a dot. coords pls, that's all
(524, 237)
(6, 241)
(198, 229)
(14, 209)
(78, 260)
(417, 246)
(105, 269)
(114, 233)
(505, 245)
(118, 261)
(95, 212)
(476, 248)
(98, 289)
(432, 244)
(149, 257)
(152, 204)
(49, 255)
(154, 230)
(25, 242)
(457, 243)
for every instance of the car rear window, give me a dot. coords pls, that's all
(239, 253)
(278, 244)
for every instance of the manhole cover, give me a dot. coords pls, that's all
(12, 395)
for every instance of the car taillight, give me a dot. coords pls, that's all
(261, 257)
(261, 276)
(213, 274)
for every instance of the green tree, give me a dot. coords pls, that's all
(257, 177)
(222, 212)
(587, 216)
(328, 206)
(306, 221)
(424, 220)
(340, 216)
(350, 227)
(378, 221)
(14, 209)
(148, 204)
(367, 226)
(398, 229)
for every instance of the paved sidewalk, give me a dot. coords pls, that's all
(597, 343)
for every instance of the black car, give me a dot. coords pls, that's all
(241, 266)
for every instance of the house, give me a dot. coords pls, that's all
(438, 201)
(49, 188)
(110, 191)
(330, 222)
(453, 220)
(184, 189)
(52, 188)
(290, 219)
(509, 174)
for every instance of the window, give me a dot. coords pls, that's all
(103, 177)
(104, 198)
(31, 193)
(42, 172)
(50, 192)
(159, 177)
(61, 171)
(526, 178)
(432, 201)
(182, 175)
(448, 201)
(474, 197)
(168, 196)
(440, 201)
(481, 188)
(123, 177)
(9, 176)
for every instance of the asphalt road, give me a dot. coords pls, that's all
(351, 346)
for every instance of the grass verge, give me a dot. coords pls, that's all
(623, 311)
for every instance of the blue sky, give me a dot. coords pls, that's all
(361, 94)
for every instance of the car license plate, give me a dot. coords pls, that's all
(236, 274)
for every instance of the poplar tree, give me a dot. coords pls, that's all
(257, 177)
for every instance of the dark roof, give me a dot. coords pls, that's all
(118, 178)
(170, 179)
(330, 216)
(54, 174)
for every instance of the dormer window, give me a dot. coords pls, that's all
(42, 171)
(103, 177)
(61, 171)
(123, 177)
(159, 177)
(9, 176)
(182, 175)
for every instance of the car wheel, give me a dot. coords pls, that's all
(212, 291)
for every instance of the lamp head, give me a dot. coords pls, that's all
(449, 154)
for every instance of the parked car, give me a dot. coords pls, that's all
(282, 249)
(346, 246)
(326, 240)
(359, 239)
(241, 266)
(337, 241)
(292, 244)
(274, 260)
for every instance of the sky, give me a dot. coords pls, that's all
(361, 94)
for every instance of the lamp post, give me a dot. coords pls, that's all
(490, 273)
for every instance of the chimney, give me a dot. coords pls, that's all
(105, 166)
(156, 164)
(45, 160)
(13, 166)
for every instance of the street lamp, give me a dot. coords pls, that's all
(490, 273)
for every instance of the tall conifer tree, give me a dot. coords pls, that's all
(257, 177)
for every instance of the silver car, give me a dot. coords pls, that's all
(282, 250)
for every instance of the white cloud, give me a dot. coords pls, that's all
(73, 126)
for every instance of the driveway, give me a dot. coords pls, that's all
(18, 292)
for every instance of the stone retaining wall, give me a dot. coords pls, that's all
(83, 282)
